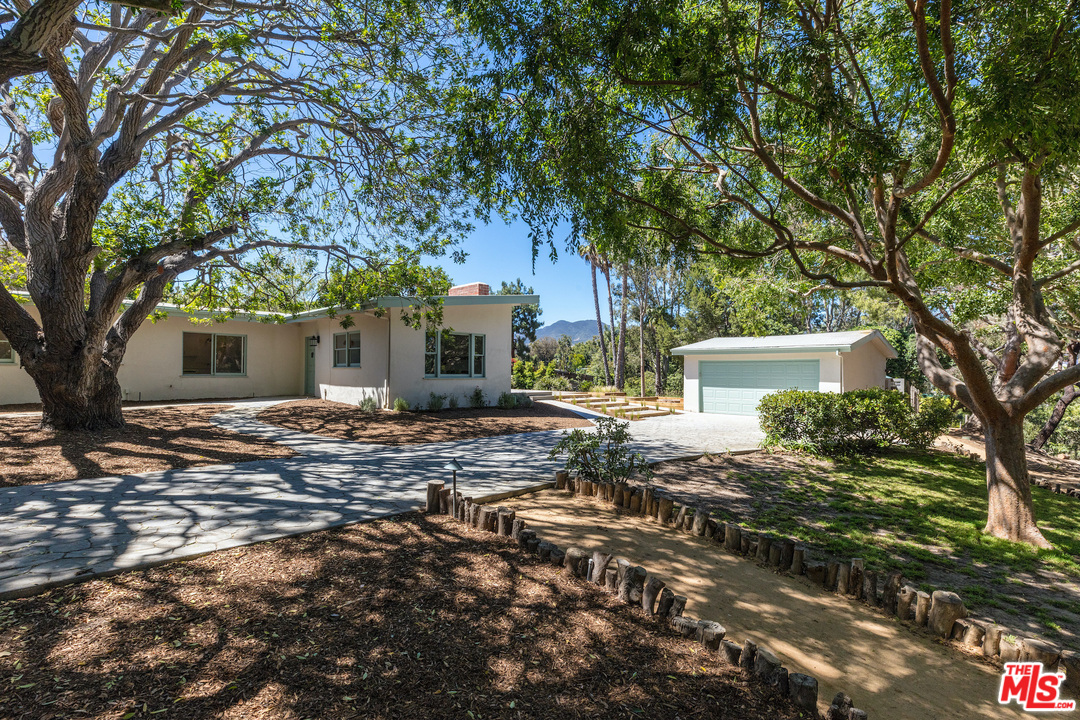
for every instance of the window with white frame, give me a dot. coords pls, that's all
(214, 354)
(7, 355)
(450, 354)
(347, 349)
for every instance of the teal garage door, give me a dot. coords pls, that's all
(734, 387)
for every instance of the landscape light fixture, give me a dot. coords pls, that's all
(453, 466)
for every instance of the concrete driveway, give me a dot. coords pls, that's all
(58, 532)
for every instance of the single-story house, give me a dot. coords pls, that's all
(730, 375)
(366, 352)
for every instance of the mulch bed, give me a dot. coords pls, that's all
(404, 618)
(384, 427)
(153, 439)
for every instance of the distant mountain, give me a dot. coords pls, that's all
(579, 331)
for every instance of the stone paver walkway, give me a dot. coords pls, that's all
(55, 533)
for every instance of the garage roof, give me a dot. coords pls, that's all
(810, 342)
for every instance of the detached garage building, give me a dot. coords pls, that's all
(730, 375)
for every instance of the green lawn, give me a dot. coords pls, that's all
(925, 512)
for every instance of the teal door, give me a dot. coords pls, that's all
(734, 387)
(309, 366)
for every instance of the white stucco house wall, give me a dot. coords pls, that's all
(731, 375)
(187, 357)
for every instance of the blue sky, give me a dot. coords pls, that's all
(499, 252)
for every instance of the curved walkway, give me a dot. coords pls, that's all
(55, 533)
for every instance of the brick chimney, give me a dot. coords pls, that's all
(476, 288)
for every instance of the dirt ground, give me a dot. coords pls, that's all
(402, 618)
(384, 427)
(153, 439)
(889, 670)
(1040, 465)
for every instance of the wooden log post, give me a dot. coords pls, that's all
(544, 550)
(803, 690)
(680, 517)
(732, 537)
(700, 523)
(798, 560)
(817, 573)
(561, 476)
(664, 507)
(687, 627)
(1010, 649)
(444, 501)
(635, 503)
(488, 518)
(974, 632)
(573, 561)
(870, 589)
(1070, 663)
(891, 590)
(651, 592)
(922, 608)
(711, 528)
(667, 599)
(627, 497)
(506, 521)
(517, 527)
(678, 604)
(774, 554)
(748, 655)
(611, 580)
(855, 586)
(832, 576)
(523, 538)
(467, 511)
(460, 507)
(533, 547)
(992, 640)
(764, 544)
(1033, 650)
(843, 578)
(787, 554)
(905, 602)
(601, 560)
(617, 499)
(746, 541)
(945, 609)
(840, 708)
(636, 577)
(474, 516)
(434, 487)
(711, 634)
(557, 556)
(587, 488)
(730, 652)
(767, 667)
(646, 500)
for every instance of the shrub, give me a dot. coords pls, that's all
(585, 386)
(854, 422)
(368, 405)
(602, 455)
(506, 401)
(524, 401)
(555, 382)
(435, 402)
(401, 404)
(477, 398)
(453, 402)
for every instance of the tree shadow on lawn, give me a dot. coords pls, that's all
(400, 618)
(153, 439)
(923, 514)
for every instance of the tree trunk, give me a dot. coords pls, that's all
(659, 379)
(620, 358)
(66, 406)
(1071, 393)
(611, 312)
(600, 325)
(1010, 515)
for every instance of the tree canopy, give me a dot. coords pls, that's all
(925, 150)
(146, 144)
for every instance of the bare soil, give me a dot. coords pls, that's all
(1041, 465)
(888, 669)
(385, 427)
(404, 618)
(152, 440)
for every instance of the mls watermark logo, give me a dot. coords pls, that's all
(1032, 689)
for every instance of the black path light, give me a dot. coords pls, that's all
(454, 466)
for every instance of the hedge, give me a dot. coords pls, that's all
(853, 422)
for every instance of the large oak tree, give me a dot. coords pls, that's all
(928, 150)
(143, 144)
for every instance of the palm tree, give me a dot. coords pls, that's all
(593, 257)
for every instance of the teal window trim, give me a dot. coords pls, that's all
(477, 360)
(343, 357)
